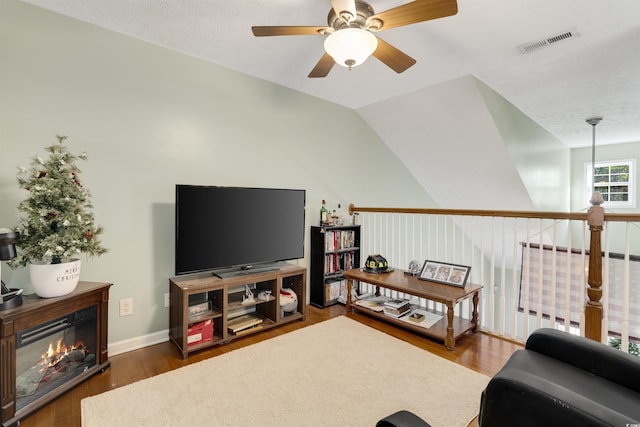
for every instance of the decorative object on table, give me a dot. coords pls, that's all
(416, 317)
(58, 224)
(376, 264)
(414, 269)
(443, 272)
(9, 298)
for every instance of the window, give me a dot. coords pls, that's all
(615, 181)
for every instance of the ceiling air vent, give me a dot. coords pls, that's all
(539, 44)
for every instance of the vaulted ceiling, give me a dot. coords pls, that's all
(595, 72)
(593, 69)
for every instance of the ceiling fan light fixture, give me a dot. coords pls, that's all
(350, 47)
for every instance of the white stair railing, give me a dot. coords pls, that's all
(532, 264)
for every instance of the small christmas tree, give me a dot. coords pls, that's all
(58, 224)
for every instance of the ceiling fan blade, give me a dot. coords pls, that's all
(344, 6)
(323, 66)
(287, 31)
(414, 12)
(394, 58)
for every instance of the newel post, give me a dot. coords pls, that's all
(593, 312)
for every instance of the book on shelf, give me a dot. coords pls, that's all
(240, 323)
(397, 303)
(336, 262)
(397, 312)
(333, 289)
(336, 240)
(249, 330)
(398, 315)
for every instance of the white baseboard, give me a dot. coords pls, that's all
(131, 344)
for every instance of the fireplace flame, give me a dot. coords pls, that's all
(58, 351)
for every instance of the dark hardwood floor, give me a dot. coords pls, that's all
(483, 353)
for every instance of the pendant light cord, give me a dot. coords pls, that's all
(593, 122)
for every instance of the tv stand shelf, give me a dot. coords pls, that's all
(222, 299)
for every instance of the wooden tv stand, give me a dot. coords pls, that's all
(447, 329)
(225, 309)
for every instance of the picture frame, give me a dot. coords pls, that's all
(444, 272)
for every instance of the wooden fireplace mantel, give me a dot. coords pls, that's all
(35, 311)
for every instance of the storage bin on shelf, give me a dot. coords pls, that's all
(200, 332)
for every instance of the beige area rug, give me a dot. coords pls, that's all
(335, 373)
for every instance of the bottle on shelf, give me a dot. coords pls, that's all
(339, 215)
(324, 214)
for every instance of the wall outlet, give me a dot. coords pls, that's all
(126, 307)
(166, 299)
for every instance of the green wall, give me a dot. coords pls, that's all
(542, 160)
(150, 118)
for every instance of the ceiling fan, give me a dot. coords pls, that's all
(351, 27)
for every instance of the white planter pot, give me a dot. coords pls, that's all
(54, 280)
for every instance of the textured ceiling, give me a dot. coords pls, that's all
(594, 73)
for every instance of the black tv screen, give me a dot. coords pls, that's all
(224, 227)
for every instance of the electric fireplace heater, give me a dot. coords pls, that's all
(49, 355)
(48, 346)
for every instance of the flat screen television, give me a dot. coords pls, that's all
(231, 230)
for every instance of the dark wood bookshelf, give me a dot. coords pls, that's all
(324, 254)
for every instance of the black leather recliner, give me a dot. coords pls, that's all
(561, 379)
(402, 419)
